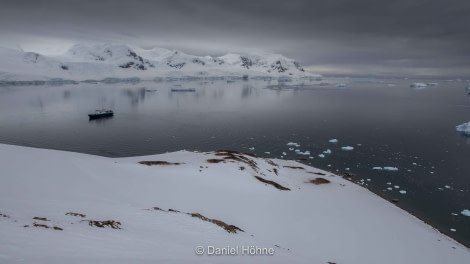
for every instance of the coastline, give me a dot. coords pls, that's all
(343, 222)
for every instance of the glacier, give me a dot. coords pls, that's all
(117, 63)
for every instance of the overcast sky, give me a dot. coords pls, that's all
(343, 36)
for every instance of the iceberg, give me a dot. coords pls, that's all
(464, 128)
(347, 148)
(465, 212)
(333, 140)
(418, 85)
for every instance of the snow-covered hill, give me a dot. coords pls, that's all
(62, 207)
(101, 61)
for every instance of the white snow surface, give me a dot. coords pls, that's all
(337, 222)
(100, 61)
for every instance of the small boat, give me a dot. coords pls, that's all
(101, 113)
(183, 89)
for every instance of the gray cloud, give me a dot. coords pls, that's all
(360, 34)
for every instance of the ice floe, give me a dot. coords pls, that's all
(334, 140)
(385, 168)
(347, 148)
(465, 212)
(293, 144)
(402, 191)
(321, 155)
(328, 151)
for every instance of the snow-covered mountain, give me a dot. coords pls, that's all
(63, 207)
(101, 61)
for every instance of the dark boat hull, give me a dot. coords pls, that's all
(103, 115)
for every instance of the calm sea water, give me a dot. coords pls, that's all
(388, 125)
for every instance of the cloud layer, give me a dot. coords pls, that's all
(414, 36)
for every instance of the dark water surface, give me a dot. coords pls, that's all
(413, 130)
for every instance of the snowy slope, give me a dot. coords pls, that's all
(83, 62)
(336, 222)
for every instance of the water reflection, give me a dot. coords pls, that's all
(136, 96)
(66, 94)
(247, 91)
(100, 121)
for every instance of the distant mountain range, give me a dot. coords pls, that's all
(120, 62)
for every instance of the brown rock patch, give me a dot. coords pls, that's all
(214, 160)
(40, 225)
(318, 181)
(40, 218)
(275, 184)
(75, 214)
(110, 223)
(317, 173)
(225, 226)
(275, 171)
(158, 162)
(237, 156)
(272, 163)
(294, 167)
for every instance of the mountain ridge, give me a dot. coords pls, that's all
(100, 61)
